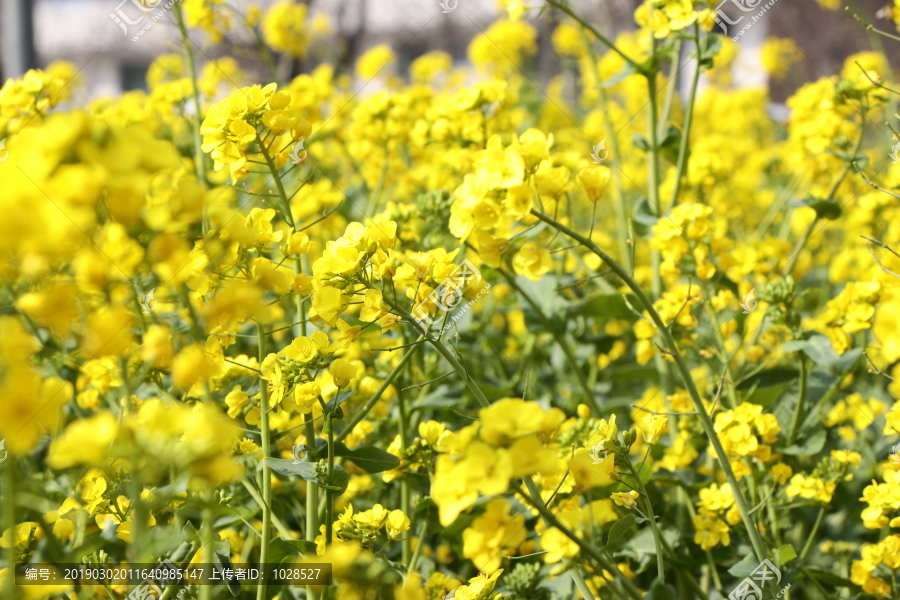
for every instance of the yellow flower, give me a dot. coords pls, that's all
(397, 524)
(593, 180)
(342, 371)
(285, 29)
(557, 546)
(373, 61)
(84, 442)
(492, 535)
(710, 531)
(532, 261)
(625, 499)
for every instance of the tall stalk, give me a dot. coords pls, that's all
(266, 533)
(654, 529)
(199, 163)
(759, 547)
(10, 590)
(404, 481)
(560, 338)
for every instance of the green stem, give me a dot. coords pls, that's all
(812, 534)
(276, 176)
(621, 205)
(378, 393)
(329, 494)
(276, 521)
(560, 340)
(206, 538)
(801, 400)
(184, 563)
(795, 253)
(673, 86)
(688, 122)
(404, 480)
(200, 165)
(534, 498)
(266, 533)
(138, 512)
(759, 547)
(580, 583)
(442, 350)
(657, 539)
(415, 557)
(603, 40)
(11, 590)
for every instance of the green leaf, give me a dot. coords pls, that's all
(710, 46)
(660, 590)
(222, 555)
(604, 306)
(768, 378)
(641, 142)
(333, 404)
(368, 458)
(306, 470)
(820, 350)
(809, 446)
(644, 213)
(427, 511)
(619, 77)
(745, 567)
(619, 528)
(281, 549)
(825, 209)
(826, 577)
(340, 479)
(784, 555)
(671, 144)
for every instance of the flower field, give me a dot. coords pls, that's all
(455, 333)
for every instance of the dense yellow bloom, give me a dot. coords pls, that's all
(285, 29)
(492, 535)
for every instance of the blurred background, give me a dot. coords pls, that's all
(34, 33)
